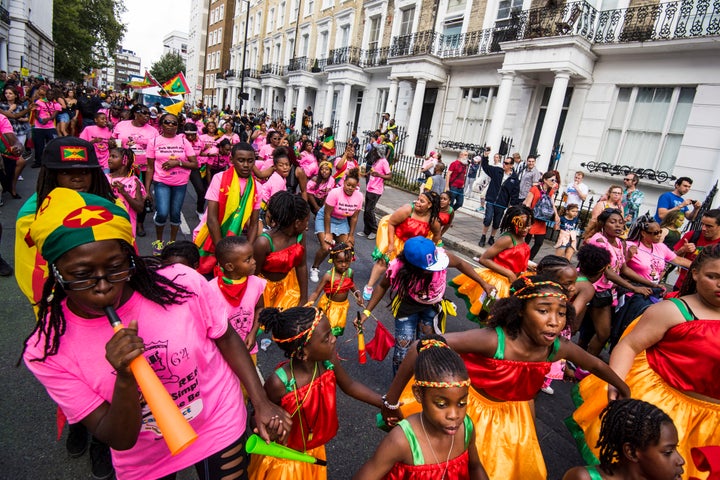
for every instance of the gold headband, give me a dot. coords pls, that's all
(423, 383)
(425, 344)
(308, 332)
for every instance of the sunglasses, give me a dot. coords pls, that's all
(507, 163)
(144, 112)
(169, 122)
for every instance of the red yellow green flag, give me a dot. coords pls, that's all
(176, 85)
(145, 82)
(234, 212)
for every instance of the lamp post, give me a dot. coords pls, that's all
(243, 95)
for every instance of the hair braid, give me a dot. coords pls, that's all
(438, 362)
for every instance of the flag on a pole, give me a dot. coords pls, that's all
(175, 108)
(146, 81)
(176, 85)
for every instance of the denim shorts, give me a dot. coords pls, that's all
(338, 226)
(63, 117)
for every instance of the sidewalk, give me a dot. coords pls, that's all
(466, 229)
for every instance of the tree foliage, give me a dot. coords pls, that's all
(167, 67)
(87, 34)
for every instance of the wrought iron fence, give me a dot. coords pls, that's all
(345, 55)
(375, 57)
(300, 64)
(418, 43)
(654, 175)
(273, 69)
(251, 73)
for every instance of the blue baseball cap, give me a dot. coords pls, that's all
(422, 253)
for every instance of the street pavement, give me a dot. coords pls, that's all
(29, 448)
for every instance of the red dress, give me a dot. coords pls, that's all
(408, 228)
(284, 293)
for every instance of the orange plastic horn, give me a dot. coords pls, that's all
(176, 430)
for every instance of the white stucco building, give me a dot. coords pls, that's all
(176, 42)
(197, 39)
(30, 44)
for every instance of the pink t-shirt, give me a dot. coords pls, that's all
(266, 153)
(5, 125)
(241, 318)
(274, 184)
(211, 150)
(376, 184)
(320, 190)
(163, 149)
(102, 149)
(180, 347)
(136, 139)
(197, 146)
(617, 259)
(649, 263)
(308, 163)
(131, 183)
(233, 137)
(213, 195)
(344, 206)
(45, 110)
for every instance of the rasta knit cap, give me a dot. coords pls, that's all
(67, 219)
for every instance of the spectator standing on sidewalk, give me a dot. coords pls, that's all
(632, 198)
(473, 172)
(518, 164)
(530, 176)
(671, 201)
(693, 242)
(379, 172)
(456, 179)
(577, 191)
(546, 192)
(502, 193)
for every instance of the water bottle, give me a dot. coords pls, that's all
(265, 343)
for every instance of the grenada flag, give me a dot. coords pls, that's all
(176, 85)
(146, 81)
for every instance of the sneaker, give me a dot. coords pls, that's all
(157, 247)
(482, 241)
(20, 178)
(480, 209)
(372, 236)
(367, 293)
(5, 268)
(476, 259)
(77, 440)
(549, 390)
(491, 241)
(102, 467)
(361, 234)
(314, 275)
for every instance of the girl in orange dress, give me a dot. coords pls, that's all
(280, 253)
(419, 219)
(306, 387)
(501, 264)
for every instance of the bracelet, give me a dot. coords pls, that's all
(180, 163)
(367, 312)
(388, 406)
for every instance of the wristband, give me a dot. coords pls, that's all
(388, 406)
(367, 313)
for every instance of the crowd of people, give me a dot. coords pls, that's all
(463, 402)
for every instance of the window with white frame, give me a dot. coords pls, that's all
(344, 36)
(507, 7)
(309, 7)
(647, 126)
(219, 35)
(407, 16)
(474, 112)
(281, 14)
(322, 46)
(271, 20)
(374, 32)
(304, 44)
(328, 4)
(235, 34)
(258, 22)
(295, 7)
(456, 5)
(222, 12)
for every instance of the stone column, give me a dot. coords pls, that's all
(288, 103)
(300, 108)
(327, 112)
(392, 97)
(552, 118)
(343, 132)
(415, 112)
(494, 135)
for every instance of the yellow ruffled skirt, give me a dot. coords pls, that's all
(505, 435)
(697, 421)
(470, 291)
(336, 312)
(283, 294)
(382, 244)
(271, 468)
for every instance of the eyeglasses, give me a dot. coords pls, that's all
(169, 122)
(90, 282)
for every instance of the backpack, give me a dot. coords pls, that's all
(544, 210)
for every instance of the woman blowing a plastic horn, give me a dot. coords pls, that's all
(171, 318)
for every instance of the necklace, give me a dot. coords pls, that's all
(452, 444)
(300, 404)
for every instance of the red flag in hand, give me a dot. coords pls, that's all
(379, 346)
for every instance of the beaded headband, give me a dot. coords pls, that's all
(518, 223)
(423, 383)
(309, 332)
(529, 284)
(425, 344)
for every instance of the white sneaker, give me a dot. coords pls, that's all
(549, 390)
(367, 293)
(314, 275)
(372, 236)
(361, 234)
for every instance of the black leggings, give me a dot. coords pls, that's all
(539, 239)
(230, 463)
(200, 187)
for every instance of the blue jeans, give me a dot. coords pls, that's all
(168, 201)
(457, 196)
(407, 330)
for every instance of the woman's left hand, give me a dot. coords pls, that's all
(272, 419)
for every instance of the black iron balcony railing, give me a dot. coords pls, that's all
(345, 55)
(298, 64)
(418, 43)
(273, 69)
(4, 15)
(251, 73)
(375, 57)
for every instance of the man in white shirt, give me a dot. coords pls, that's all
(577, 191)
(529, 177)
